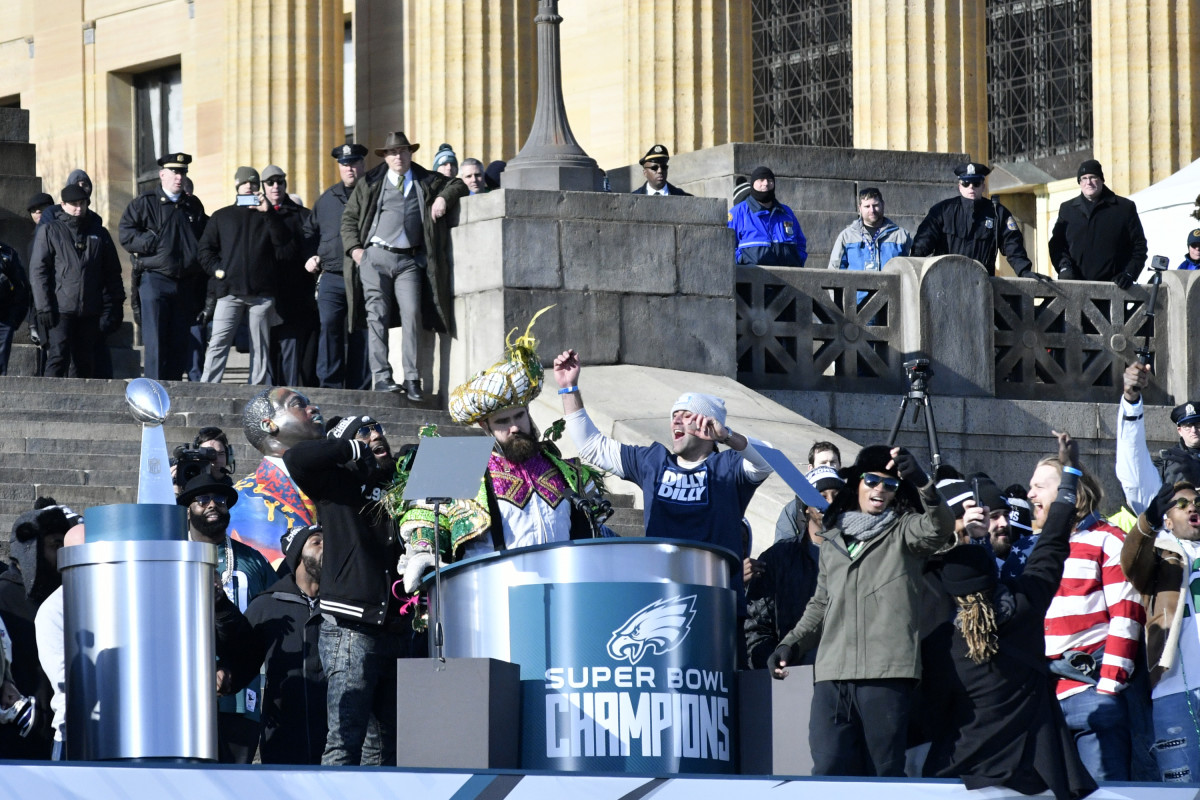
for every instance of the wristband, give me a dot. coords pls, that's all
(1073, 471)
(569, 390)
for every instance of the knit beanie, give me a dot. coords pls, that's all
(706, 404)
(968, 568)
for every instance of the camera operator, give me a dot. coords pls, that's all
(210, 450)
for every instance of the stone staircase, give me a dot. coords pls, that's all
(76, 441)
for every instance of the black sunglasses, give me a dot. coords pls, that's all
(205, 499)
(971, 181)
(367, 430)
(872, 480)
(275, 182)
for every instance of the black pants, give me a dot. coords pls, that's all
(860, 727)
(73, 339)
(237, 738)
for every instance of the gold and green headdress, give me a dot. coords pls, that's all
(513, 381)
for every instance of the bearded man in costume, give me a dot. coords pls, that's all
(530, 494)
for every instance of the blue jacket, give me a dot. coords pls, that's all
(1187, 263)
(852, 251)
(767, 237)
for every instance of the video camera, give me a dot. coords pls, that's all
(191, 461)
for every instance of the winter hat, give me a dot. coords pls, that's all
(245, 175)
(292, 544)
(491, 175)
(1089, 167)
(347, 427)
(706, 404)
(760, 173)
(953, 489)
(968, 568)
(824, 477)
(444, 154)
(741, 191)
(1020, 513)
(73, 193)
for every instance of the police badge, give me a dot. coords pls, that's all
(787, 228)
(989, 223)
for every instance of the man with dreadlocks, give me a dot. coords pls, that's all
(993, 713)
(530, 495)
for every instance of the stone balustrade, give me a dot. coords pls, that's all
(1009, 338)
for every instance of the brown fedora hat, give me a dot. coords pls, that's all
(396, 139)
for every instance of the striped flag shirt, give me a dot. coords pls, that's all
(1096, 606)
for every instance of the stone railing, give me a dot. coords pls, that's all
(828, 330)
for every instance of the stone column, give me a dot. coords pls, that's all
(920, 76)
(283, 98)
(1145, 107)
(469, 74)
(688, 83)
(550, 157)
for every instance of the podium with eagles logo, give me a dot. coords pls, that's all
(625, 649)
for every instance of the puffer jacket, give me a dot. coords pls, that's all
(865, 611)
(75, 269)
(1155, 565)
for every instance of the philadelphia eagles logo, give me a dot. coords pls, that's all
(659, 628)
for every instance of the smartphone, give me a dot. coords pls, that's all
(247, 200)
(975, 492)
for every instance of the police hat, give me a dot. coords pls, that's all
(1194, 237)
(657, 153)
(349, 153)
(972, 170)
(176, 161)
(1188, 412)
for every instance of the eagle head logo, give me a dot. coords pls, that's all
(659, 628)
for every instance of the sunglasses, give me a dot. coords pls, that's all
(656, 167)
(275, 182)
(1183, 502)
(367, 430)
(972, 181)
(205, 499)
(872, 480)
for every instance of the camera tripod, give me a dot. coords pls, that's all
(918, 394)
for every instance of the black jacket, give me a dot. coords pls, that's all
(75, 269)
(325, 224)
(164, 235)
(1181, 463)
(1097, 241)
(999, 723)
(295, 299)
(979, 233)
(672, 189)
(777, 598)
(248, 245)
(360, 539)
(14, 287)
(294, 721)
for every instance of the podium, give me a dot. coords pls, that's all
(625, 649)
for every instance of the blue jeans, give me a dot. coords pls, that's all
(1100, 725)
(1175, 739)
(360, 672)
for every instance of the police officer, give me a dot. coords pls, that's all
(342, 344)
(160, 229)
(654, 168)
(768, 233)
(973, 226)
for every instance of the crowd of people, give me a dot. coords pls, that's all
(290, 286)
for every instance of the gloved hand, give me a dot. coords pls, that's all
(110, 322)
(779, 660)
(35, 338)
(23, 713)
(1158, 507)
(418, 564)
(48, 320)
(908, 468)
(1068, 274)
(1123, 280)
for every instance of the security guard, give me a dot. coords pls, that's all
(160, 229)
(342, 342)
(973, 226)
(768, 233)
(654, 168)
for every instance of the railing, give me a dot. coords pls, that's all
(1034, 339)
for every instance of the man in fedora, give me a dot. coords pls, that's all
(395, 230)
(654, 167)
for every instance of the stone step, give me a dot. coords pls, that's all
(78, 497)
